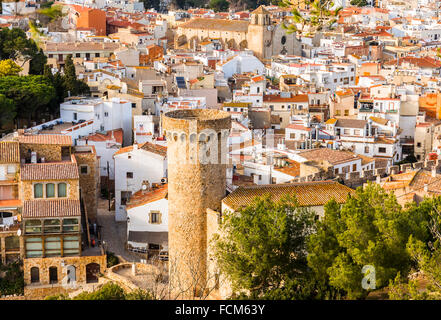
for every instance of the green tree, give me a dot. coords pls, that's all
(426, 253)
(71, 84)
(9, 68)
(31, 94)
(321, 16)
(359, 3)
(53, 12)
(263, 246)
(371, 228)
(149, 4)
(7, 110)
(15, 45)
(109, 291)
(219, 5)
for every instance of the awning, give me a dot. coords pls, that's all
(149, 237)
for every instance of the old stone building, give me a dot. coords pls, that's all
(261, 35)
(42, 219)
(194, 185)
(89, 178)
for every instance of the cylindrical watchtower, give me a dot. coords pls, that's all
(196, 152)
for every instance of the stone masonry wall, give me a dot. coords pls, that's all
(48, 151)
(192, 188)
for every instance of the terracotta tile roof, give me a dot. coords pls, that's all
(140, 198)
(147, 146)
(49, 171)
(216, 24)
(277, 98)
(9, 152)
(379, 120)
(333, 156)
(307, 193)
(297, 127)
(155, 148)
(351, 123)
(117, 134)
(60, 139)
(293, 169)
(51, 208)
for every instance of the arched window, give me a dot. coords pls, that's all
(50, 190)
(38, 190)
(62, 190)
(35, 275)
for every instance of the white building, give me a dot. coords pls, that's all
(147, 219)
(135, 165)
(92, 115)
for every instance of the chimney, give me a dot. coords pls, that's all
(426, 187)
(378, 181)
(135, 147)
(434, 171)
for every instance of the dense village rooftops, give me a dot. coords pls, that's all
(424, 62)
(51, 208)
(141, 197)
(58, 139)
(315, 193)
(332, 156)
(9, 152)
(216, 24)
(278, 98)
(49, 171)
(80, 46)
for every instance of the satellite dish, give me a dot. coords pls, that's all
(144, 187)
(19, 232)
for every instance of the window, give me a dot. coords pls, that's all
(75, 115)
(366, 149)
(62, 190)
(34, 247)
(70, 225)
(346, 131)
(357, 132)
(33, 226)
(129, 175)
(77, 55)
(283, 40)
(354, 167)
(38, 190)
(155, 217)
(106, 114)
(71, 246)
(336, 171)
(12, 243)
(84, 169)
(292, 135)
(53, 275)
(382, 150)
(97, 55)
(52, 247)
(50, 190)
(346, 112)
(133, 105)
(51, 226)
(35, 275)
(419, 144)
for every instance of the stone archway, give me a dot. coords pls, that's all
(243, 45)
(231, 44)
(181, 40)
(193, 43)
(92, 271)
(35, 275)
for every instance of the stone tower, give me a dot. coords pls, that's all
(260, 33)
(196, 145)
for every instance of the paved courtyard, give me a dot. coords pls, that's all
(114, 233)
